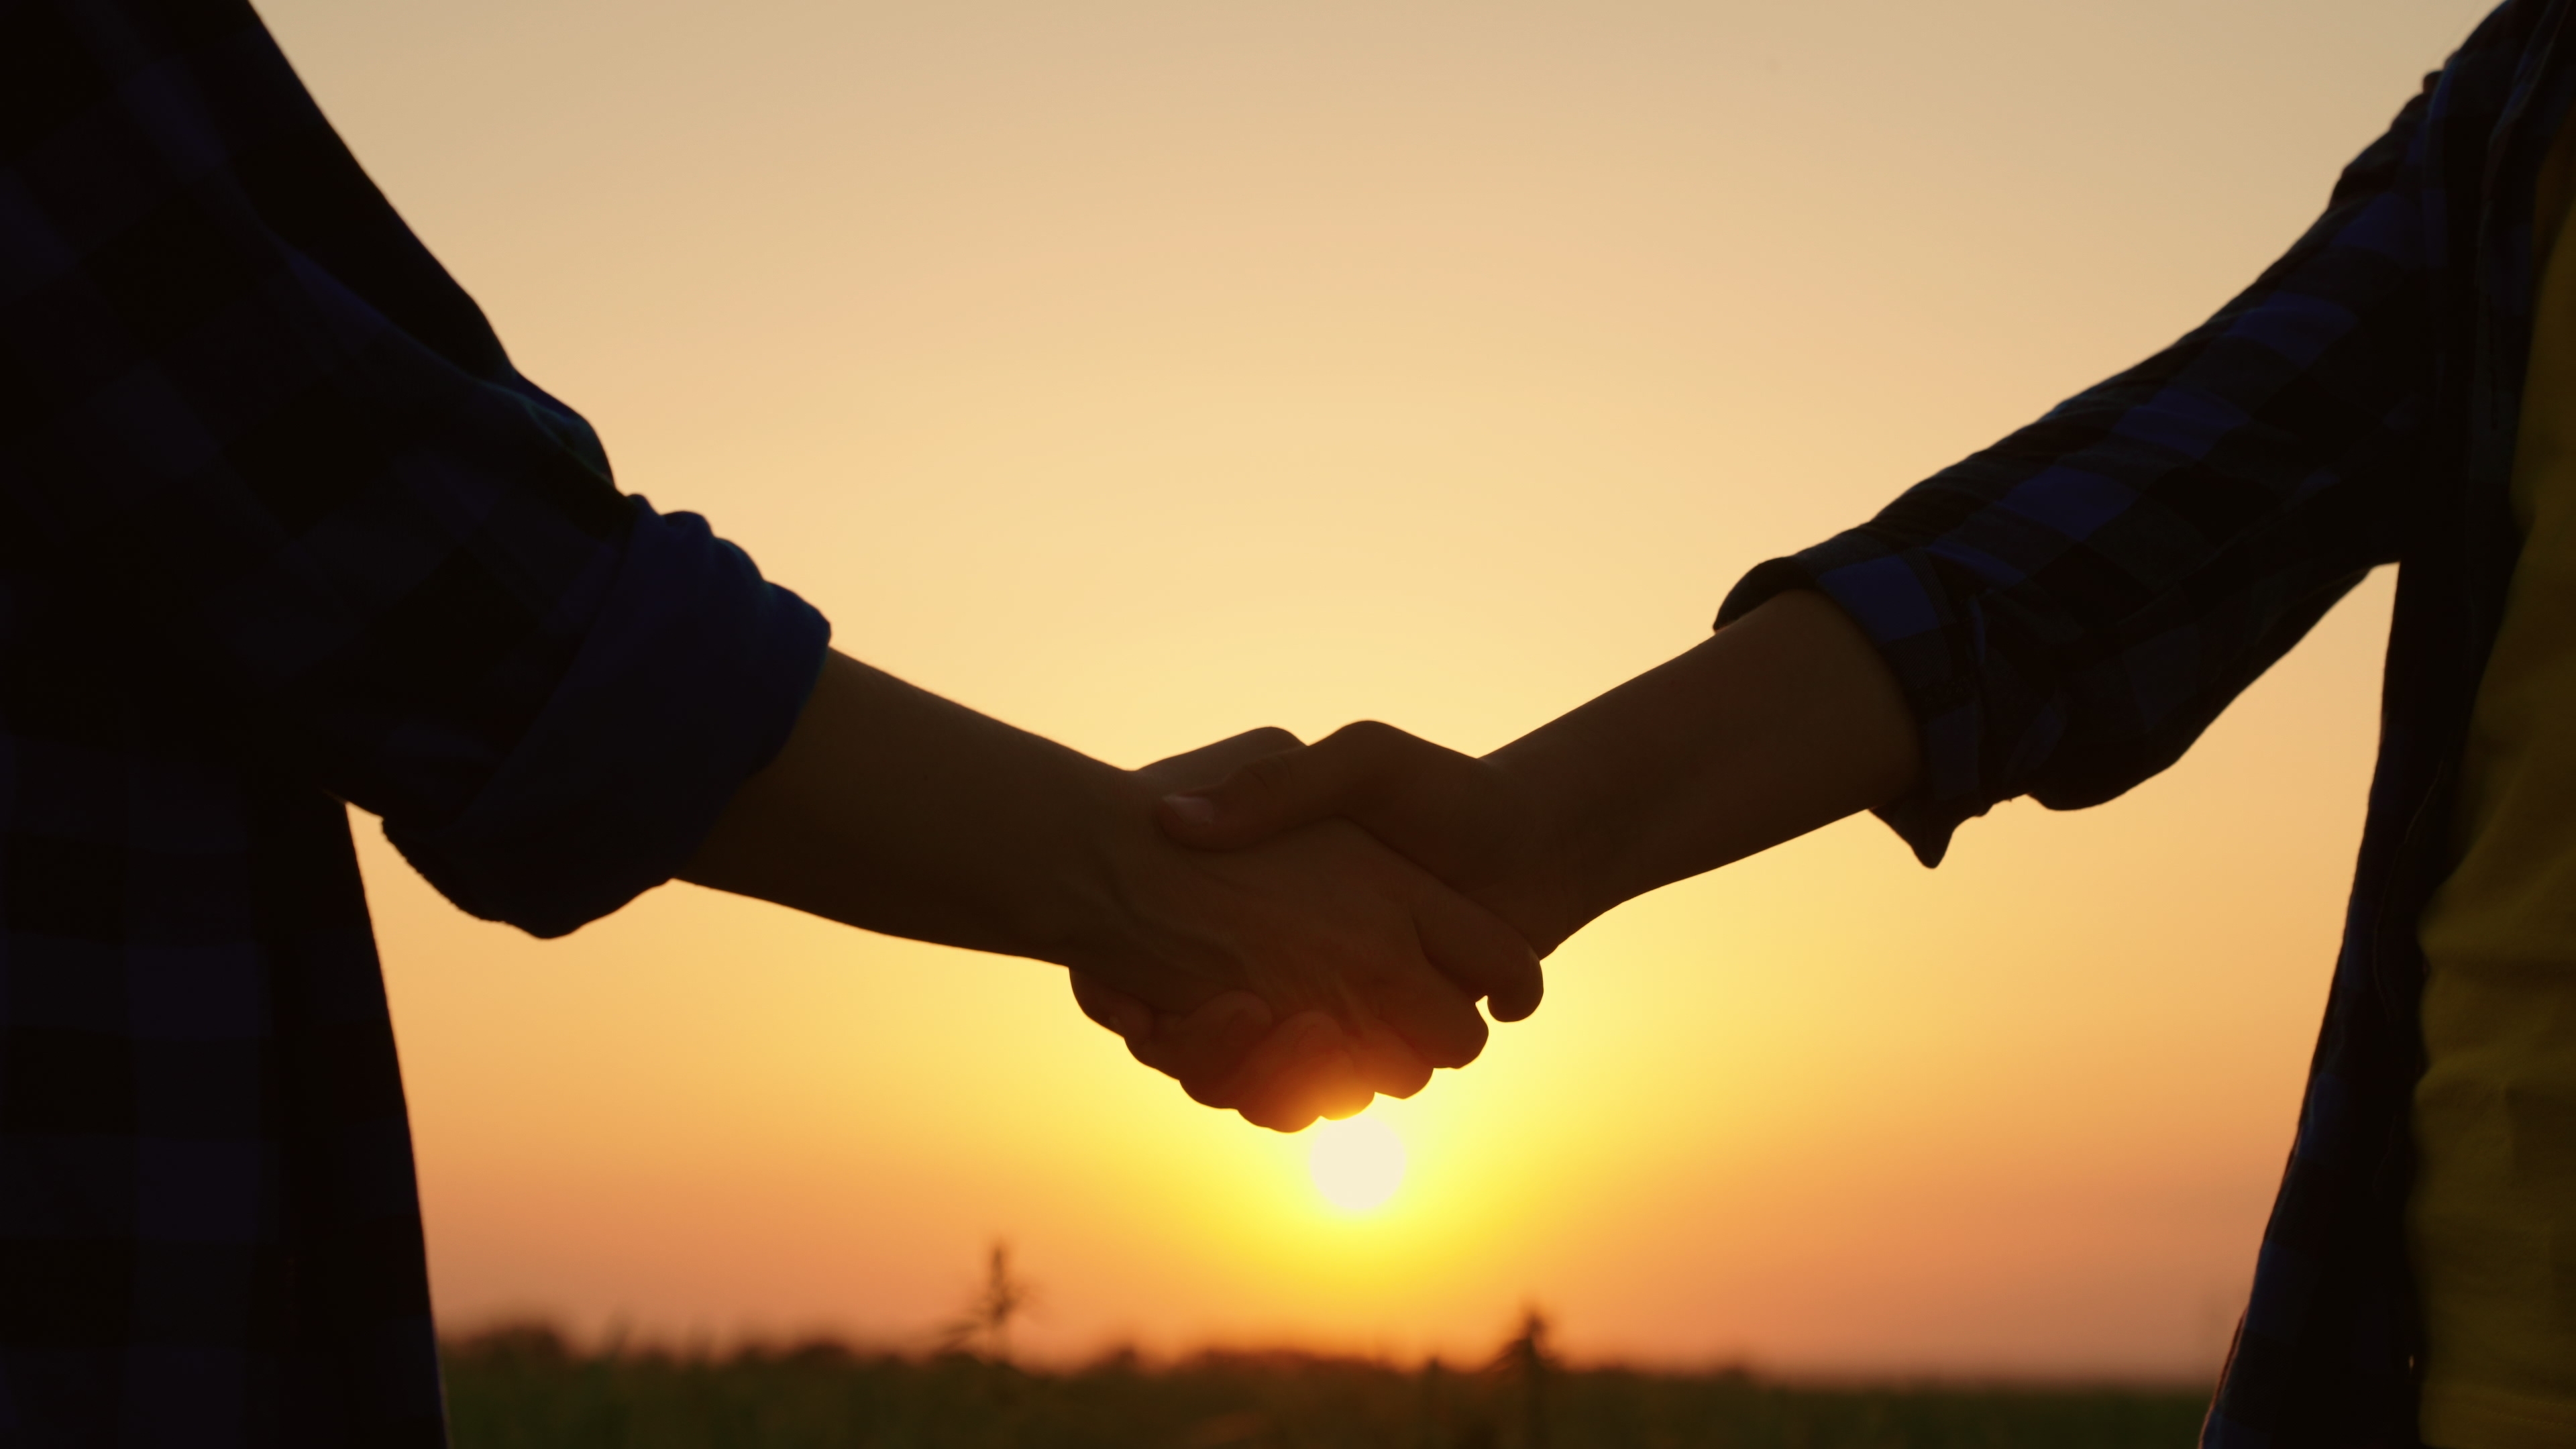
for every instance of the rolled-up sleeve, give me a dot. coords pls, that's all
(686, 682)
(2067, 610)
(244, 406)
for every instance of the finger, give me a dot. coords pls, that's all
(1286, 1047)
(1479, 953)
(1303, 1070)
(1208, 1047)
(1434, 1018)
(1272, 793)
(1131, 1019)
(1389, 1066)
(1209, 764)
(1322, 1087)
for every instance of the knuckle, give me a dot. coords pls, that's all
(1278, 1116)
(1208, 1094)
(1369, 738)
(1463, 1042)
(1404, 1078)
(1374, 761)
(1271, 773)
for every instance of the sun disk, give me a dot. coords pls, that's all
(1357, 1164)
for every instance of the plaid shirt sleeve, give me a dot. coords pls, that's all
(2067, 610)
(234, 387)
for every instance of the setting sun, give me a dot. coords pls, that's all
(1140, 374)
(1358, 1164)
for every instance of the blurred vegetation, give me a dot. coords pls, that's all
(526, 1388)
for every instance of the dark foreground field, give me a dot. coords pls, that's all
(524, 1389)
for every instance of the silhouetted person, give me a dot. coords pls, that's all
(280, 527)
(2061, 615)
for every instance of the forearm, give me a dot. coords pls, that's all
(898, 811)
(1779, 723)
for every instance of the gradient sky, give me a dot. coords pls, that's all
(1141, 372)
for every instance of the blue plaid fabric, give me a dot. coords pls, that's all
(281, 528)
(2070, 608)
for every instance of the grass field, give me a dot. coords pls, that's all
(525, 1389)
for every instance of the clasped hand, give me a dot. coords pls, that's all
(1287, 929)
(1358, 968)
(1781, 722)
(1297, 972)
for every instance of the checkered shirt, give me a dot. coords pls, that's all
(281, 528)
(2068, 609)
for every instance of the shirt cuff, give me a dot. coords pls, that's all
(1894, 598)
(685, 685)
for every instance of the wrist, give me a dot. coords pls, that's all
(1087, 882)
(1535, 854)
(1126, 907)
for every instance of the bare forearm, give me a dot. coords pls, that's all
(895, 810)
(1780, 723)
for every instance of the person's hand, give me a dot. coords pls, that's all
(1782, 721)
(891, 809)
(1363, 985)
(1232, 1050)
(1467, 821)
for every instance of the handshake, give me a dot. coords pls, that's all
(1287, 929)
(1338, 911)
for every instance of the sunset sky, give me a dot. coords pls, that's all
(1142, 372)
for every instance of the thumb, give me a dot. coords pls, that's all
(1273, 794)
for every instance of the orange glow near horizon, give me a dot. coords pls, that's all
(1146, 371)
